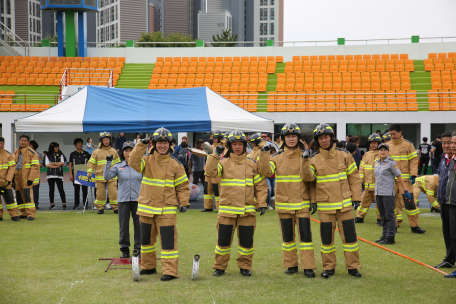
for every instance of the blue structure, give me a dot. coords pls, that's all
(69, 7)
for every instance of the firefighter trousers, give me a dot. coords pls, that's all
(24, 195)
(347, 232)
(287, 223)
(245, 231)
(417, 189)
(8, 199)
(211, 191)
(366, 201)
(412, 211)
(163, 225)
(100, 200)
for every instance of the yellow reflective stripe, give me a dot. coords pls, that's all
(361, 175)
(169, 254)
(89, 170)
(249, 208)
(35, 162)
(244, 251)
(350, 248)
(222, 251)
(217, 198)
(206, 196)
(288, 247)
(112, 202)
(434, 204)
(293, 206)
(306, 246)
(93, 161)
(219, 169)
(412, 212)
(5, 166)
(147, 249)
(148, 209)
(421, 179)
(412, 155)
(158, 182)
(258, 178)
(231, 210)
(180, 180)
(288, 178)
(29, 165)
(363, 209)
(333, 206)
(11, 163)
(331, 177)
(29, 205)
(102, 162)
(328, 249)
(20, 206)
(100, 202)
(312, 168)
(369, 186)
(351, 168)
(169, 210)
(143, 164)
(237, 182)
(116, 161)
(11, 206)
(273, 167)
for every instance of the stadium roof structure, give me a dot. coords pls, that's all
(97, 109)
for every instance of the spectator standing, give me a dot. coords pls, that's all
(379, 132)
(277, 139)
(173, 146)
(424, 153)
(119, 142)
(437, 150)
(183, 139)
(357, 155)
(347, 139)
(89, 146)
(54, 162)
(184, 157)
(197, 165)
(36, 187)
(78, 157)
(137, 139)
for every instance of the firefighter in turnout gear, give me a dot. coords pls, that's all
(212, 185)
(366, 172)
(338, 188)
(292, 200)
(164, 191)
(7, 167)
(257, 143)
(96, 164)
(26, 175)
(403, 152)
(428, 185)
(386, 138)
(243, 190)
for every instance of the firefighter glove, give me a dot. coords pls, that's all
(266, 148)
(407, 195)
(29, 183)
(355, 205)
(262, 210)
(145, 141)
(412, 179)
(306, 154)
(183, 209)
(109, 157)
(219, 150)
(313, 208)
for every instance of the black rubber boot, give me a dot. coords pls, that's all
(359, 220)
(148, 271)
(116, 211)
(444, 264)
(100, 212)
(1, 218)
(30, 218)
(218, 273)
(417, 230)
(327, 273)
(125, 254)
(354, 273)
(167, 277)
(380, 239)
(246, 272)
(23, 216)
(387, 241)
(291, 270)
(380, 222)
(14, 218)
(309, 273)
(436, 210)
(207, 210)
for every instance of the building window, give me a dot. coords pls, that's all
(261, 2)
(117, 30)
(38, 10)
(272, 14)
(8, 8)
(272, 29)
(116, 13)
(261, 14)
(112, 31)
(31, 26)
(265, 29)
(261, 29)
(265, 2)
(265, 13)
(272, 2)
(112, 13)
(101, 17)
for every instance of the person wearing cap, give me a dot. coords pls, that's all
(97, 164)
(428, 185)
(129, 185)
(366, 172)
(386, 173)
(212, 184)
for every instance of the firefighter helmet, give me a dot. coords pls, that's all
(104, 135)
(218, 134)
(255, 138)
(162, 134)
(290, 128)
(374, 137)
(323, 129)
(236, 135)
(386, 136)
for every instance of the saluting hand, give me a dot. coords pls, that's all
(145, 141)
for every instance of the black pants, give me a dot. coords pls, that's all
(448, 215)
(36, 194)
(77, 189)
(125, 208)
(385, 205)
(423, 162)
(198, 175)
(52, 182)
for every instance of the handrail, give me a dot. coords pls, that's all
(8, 33)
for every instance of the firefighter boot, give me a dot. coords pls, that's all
(380, 222)
(291, 270)
(417, 230)
(354, 273)
(309, 273)
(327, 273)
(15, 218)
(148, 271)
(380, 239)
(387, 241)
(167, 277)
(359, 220)
(100, 212)
(219, 273)
(246, 272)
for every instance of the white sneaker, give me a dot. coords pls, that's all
(270, 208)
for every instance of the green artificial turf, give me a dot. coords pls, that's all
(54, 259)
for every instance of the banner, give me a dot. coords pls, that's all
(81, 178)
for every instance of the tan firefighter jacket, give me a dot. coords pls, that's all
(366, 170)
(164, 186)
(429, 184)
(97, 161)
(337, 179)
(212, 180)
(30, 165)
(291, 192)
(403, 152)
(7, 167)
(242, 189)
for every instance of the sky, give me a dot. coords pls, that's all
(316, 20)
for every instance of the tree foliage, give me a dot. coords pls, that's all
(168, 41)
(226, 36)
